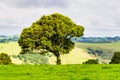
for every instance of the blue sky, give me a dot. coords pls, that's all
(99, 17)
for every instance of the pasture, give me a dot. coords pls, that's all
(61, 72)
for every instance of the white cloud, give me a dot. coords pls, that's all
(99, 17)
(34, 3)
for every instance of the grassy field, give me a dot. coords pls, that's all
(62, 72)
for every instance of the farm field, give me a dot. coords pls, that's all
(60, 72)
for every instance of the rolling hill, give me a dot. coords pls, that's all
(82, 52)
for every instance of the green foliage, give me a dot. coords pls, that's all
(51, 33)
(33, 58)
(5, 59)
(62, 72)
(116, 58)
(91, 61)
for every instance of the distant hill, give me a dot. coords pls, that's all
(97, 39)
(4, 38)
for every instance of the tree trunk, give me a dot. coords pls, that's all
(58, 60)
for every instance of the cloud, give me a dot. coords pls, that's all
(35, 3)
(9, 29)
(99, 17)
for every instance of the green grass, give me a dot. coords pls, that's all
(62, 72)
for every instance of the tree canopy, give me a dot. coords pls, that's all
(51, 33)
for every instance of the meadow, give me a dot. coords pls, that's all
(60, 72)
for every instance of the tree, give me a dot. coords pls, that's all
(51, 33)
(5, 59)
(116, 58)
(91, 61)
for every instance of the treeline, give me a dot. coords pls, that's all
(97, 39)
(4, 38)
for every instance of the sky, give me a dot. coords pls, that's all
(100, 18)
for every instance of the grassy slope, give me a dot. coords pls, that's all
(107, 49)
(109, 46)
(10, 48)
(77, 55)
(63, 72)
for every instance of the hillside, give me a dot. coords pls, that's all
(10, 48)
(97, 39)
(82, 52)
(102, 51)
(76, 56)
(4, 38)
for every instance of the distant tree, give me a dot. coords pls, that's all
(5, 59)
(91, 61)
(51, 33)
(116, 58)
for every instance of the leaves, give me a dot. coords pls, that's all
(52, 33)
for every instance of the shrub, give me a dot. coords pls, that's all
(33, 58)
(116, 58)
(91, 61)
(5, 59)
